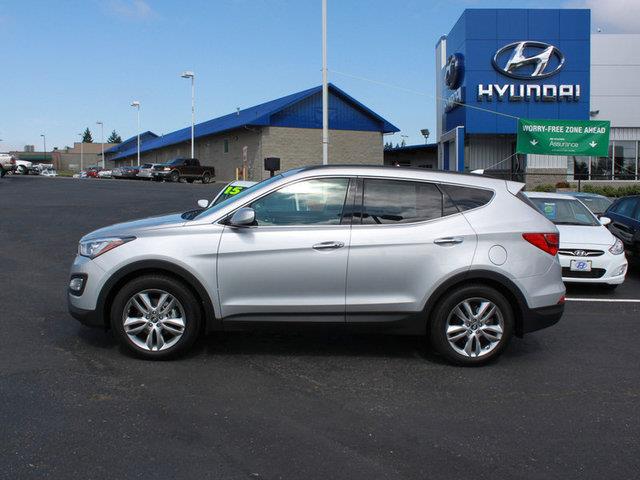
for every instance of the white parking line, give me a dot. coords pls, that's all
(606, 300)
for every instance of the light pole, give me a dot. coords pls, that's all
(44, 142)
(81, 151)
(136, 105)
(101, 141)
(425, 133)
(191, 75)
(325, 89)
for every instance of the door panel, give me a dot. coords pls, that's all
(393, 268)
(292, 265)
(276, 273)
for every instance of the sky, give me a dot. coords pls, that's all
(66, 64)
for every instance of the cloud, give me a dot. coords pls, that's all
(613, 16)
(131, 9)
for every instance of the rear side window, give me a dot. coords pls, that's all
(400, 201)
(467, 198)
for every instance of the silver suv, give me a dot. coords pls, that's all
(465, 260)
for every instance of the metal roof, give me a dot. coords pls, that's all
(352, 115)
(133, 141)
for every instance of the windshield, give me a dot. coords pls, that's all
(565, 212)
(596, 204)
(230, 191)
(233, 198)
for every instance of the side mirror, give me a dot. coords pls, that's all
(604, 221)
(243, 217)
(203, 203)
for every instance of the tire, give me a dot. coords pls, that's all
(480, 350)
(160, 335)
(189, 180)
(175, 176)
(206, 177)
(22, 170)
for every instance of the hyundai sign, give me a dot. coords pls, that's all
(516, 63)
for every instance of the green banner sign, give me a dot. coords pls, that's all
(564, 137)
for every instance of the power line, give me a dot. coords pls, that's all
(424, 94)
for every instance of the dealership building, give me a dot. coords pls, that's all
(498, 65)
(289, 128)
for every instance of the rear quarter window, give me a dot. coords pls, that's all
(467, 198)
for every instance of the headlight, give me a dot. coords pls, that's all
(95, 248)
(166, 169)
(617, 248)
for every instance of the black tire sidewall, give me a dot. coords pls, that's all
(175, 288)
(175, 176)
(206, 178)
(441, 312)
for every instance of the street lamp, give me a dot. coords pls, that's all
(136, 104)
(101, 141)
(81, 151)
(191, 75)
(44, 142)
(425, 133)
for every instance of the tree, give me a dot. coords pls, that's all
(114, 138)
(86, 136)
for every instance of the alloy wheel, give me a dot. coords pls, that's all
(154, 320)
(475, 327)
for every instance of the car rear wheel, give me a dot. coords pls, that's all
(155, 317)
(175, 176)
(206, 177)
(472, 325)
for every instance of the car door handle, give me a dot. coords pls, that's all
(448, 240)
(328, 245)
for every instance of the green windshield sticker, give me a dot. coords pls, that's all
(233, 190)
(550, 211)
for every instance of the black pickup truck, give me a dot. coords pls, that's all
(187, 168)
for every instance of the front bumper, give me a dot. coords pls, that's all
(607, 268)
(535, 319)
(90, 318)
(160, 174)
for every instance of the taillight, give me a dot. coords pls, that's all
(548, 242)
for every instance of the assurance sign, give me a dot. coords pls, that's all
(564, 137)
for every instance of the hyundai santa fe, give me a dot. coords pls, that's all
(464, 260)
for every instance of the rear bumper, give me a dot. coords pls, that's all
(534, 319)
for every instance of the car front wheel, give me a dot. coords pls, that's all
(472, 325)
(175, 176)
(155, 317)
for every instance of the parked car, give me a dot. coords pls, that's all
(183, 168)
(24, 167)
(598, 204)
(105, 174)
(588, 252)
(146, 171)
(49, 172)
(625, 222)
(125, 172)
(92, 172)
(7, 164)
(461, 259)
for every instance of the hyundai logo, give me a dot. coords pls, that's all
(454, 71)
(529, 60)
(580, 253)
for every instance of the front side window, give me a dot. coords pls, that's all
(400, 201)
(309, 202)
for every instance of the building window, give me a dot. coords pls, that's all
(624, 160)
(225, 145)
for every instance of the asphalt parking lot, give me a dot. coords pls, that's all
(561, 403)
